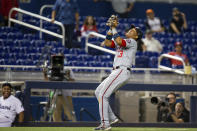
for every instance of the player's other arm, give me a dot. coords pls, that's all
(21, 116)
(120, 41)
(108, 40)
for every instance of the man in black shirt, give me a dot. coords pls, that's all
(163, 110)
(178, 22)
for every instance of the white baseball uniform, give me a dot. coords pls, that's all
(124, 59)
(8, 109)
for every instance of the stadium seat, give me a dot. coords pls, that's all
(142, 62)
(13, 41)
(166, 62)
(153, 62)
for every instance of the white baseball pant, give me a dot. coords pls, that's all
(116, 79)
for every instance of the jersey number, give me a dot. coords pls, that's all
(120, 53)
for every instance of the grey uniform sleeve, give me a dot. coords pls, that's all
(131, 43)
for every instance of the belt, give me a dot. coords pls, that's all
(117, 67)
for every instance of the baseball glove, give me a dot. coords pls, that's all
(112, 21)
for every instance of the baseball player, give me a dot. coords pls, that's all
(123, 60)
(9, 107)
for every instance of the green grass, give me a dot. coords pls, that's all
(91, 129)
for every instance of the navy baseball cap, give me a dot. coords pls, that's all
(138, 30)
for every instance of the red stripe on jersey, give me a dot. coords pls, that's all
(123, 43)
(112, 44)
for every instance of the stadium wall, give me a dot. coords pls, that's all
(88, 7)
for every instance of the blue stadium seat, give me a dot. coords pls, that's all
(9, 43)
(166, 62)
(80, 51)
(96, 64)
(96, 58)
(14, 49)
(30, 37)
(39, 43)
(28, 62)
(139, 53)
(35, 56)
(105, 58)
(20, 56)
(88, 58)
(81, 58)
(142, 62)
(71, 58)
(1, 43)
(6, 49)
(11, 35)
(31, 50)
(110, 64)
(66, 51)
(81, 63)
(10, 62)
(153, 62)
(170, 47)
(2, 61)
(104, 64)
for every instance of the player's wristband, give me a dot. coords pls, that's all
(109, 37)
(109, 31)
(115, 36)
(114, 31)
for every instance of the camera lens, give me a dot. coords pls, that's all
(167, 99)
(154, 100)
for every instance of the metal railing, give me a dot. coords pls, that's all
(95, 46)
(41, 13)
(79, 67)
(179, 71)
(35, 27)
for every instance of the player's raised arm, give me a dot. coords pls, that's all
(113, 23)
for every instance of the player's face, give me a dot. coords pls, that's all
(6, 91)
(132, 34)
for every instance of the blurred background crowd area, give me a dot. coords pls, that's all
(18, 40)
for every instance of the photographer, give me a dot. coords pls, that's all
(163, 107)
(180, 115)
(178, 22)
(61, 97)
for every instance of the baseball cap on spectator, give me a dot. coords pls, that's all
(148, 11)
(178, 44)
